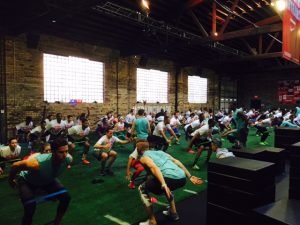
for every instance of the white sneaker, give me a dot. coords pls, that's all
(147, 222)
(195, 167)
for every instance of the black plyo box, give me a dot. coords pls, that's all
(245, 184)
(243, 168)
(249, 153)
(237, 199)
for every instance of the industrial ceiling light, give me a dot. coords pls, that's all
(280, 5)
(145, 4)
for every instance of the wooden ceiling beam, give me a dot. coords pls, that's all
(214, 19)
(194, 3)
(224, 26)
(251, 50)
(250, 32)
(272, 55)
(267, 21)
(271, 43)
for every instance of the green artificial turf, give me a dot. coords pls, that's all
(92, 202)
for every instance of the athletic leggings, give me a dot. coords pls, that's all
(264, 132)
(27, 193)
(138, 168)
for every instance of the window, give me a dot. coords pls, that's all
(197, 89)
(68, 79)
(152, 86)
(228, 94)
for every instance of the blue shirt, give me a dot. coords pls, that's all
(167, 167)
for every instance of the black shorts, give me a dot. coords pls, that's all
(202, 142)
(154, 186)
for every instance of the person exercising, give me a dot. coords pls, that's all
(165, 174)
(40, 172)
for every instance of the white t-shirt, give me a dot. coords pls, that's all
(159, 127)
(174, 122)
(265, 123)
(77, 133)
(226, 120)
(250, 113)
(23, 127)
(129, 118)
(104, 141)
(287, 116)
(5, 152)
(134, 154)
(188, 120)
(56, 126)
(195, 123)
(149, 118)
(120, 126)
(69, 124)
(37, 129)
(203, 131)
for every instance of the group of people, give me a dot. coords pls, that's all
(40, 172)
(155, 132)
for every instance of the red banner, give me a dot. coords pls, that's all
(288, 91)
(291, 32)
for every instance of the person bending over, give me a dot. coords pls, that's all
(165, 174)
(40, 172)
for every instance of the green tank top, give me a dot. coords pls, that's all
(141, 127)
(46, 173)
(167, 167)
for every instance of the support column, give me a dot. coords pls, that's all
(3, 113)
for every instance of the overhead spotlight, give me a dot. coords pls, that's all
(145, 4)
(280, 5)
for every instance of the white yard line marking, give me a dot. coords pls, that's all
(190, 191)
(116, 220)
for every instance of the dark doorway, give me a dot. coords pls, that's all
(255, 103)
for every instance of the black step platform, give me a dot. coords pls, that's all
(235, 187)
(283, 212)
(269, 154)
(277, 156)
(242, 167)
(284, 136)
(294, 156)
(258, 154)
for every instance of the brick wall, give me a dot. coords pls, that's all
(24, 84)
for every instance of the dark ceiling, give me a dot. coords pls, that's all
(249, 31)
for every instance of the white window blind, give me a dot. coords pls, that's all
(70, 78)
(152, 86)
(197, 89)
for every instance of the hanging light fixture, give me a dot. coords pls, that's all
(280, 5)
(145, 4)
